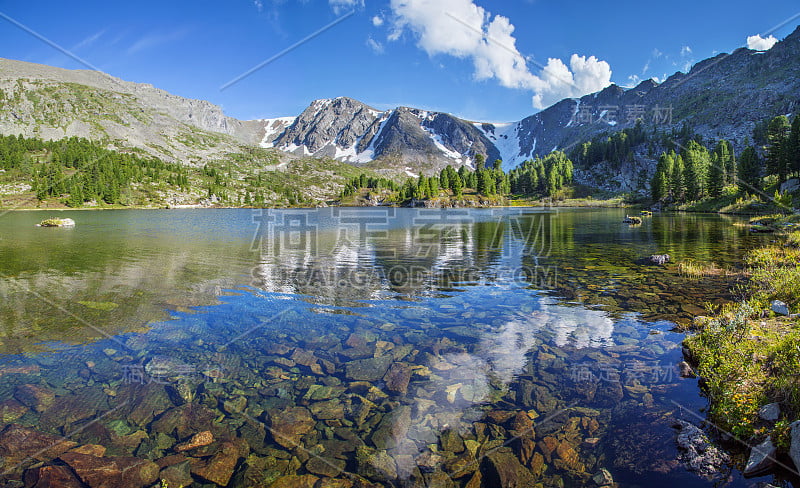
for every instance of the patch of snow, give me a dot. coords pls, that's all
(292, 148)
(575, 113)
(411, 173)
(506, 139)
(273, 128)
(439, 143)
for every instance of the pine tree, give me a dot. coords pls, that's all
(793, 147)
(480, 162)
(677, 181)
(777, 138)
(749, 171)
(716, 176)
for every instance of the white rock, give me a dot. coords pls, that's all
(770, 412)
(780, 308)
(762, 458)
(794, 448)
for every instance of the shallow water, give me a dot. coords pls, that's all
(447, 347)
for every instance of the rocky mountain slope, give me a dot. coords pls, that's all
(53, 103)
(724, 96)
(350, 131)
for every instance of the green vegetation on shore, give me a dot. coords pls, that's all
(749, 356)
(78, 173)
(699, 179)
(547, 177)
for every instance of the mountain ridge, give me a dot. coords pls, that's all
(722, 96)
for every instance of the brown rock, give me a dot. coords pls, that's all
(501, 468)
(295, 481)
(526, 450)
(177, 475)
(398, 377)
(522, 425)
(500, 416)
(328, 410)
(537, 465)
(325, 466)
(568, 455)
(290, 425)
(548, 445)
(11, 410)
(36, 397)
(51, 477)
(334, 483)
(90, 449)
(112, 472)
(476, 481)
(219, 468)
(141, 403)
(185, 420)
(20, 446)
(198, 440)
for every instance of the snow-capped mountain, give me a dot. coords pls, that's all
(724, 96)
(353, 132)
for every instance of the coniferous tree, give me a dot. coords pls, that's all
(716, 176)
(793, 147)
(777, 141)
(749, 171)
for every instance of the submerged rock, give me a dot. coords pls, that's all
(290, 425)
(56, 223)
(219, 468)
(36, 397)
(659, 259)
(375, 464)
(51, 477)
(112, 472)
(698, 453)
(198, 440)
(20, 446)
(501, 468)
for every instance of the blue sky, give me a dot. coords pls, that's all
(478, 59)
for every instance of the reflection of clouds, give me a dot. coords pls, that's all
(463, 381)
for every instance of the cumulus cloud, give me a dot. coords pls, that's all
(377, 21)
(758, 43)
(342, 6)
(462, 29)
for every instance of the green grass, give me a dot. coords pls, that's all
(747, 356)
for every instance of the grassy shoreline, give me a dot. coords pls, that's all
(746, 354)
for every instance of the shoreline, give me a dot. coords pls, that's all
(747, 357)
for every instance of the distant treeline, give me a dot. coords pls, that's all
(78, 170)
(540, 177)
(695, 172)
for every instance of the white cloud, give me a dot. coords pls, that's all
(341, 6)
(377, 21)
(376, 46)
(758, 43)
(686, 50)
(656, 53)
(462, 29)
(259, 5)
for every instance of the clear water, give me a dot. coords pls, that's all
(475, 314)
